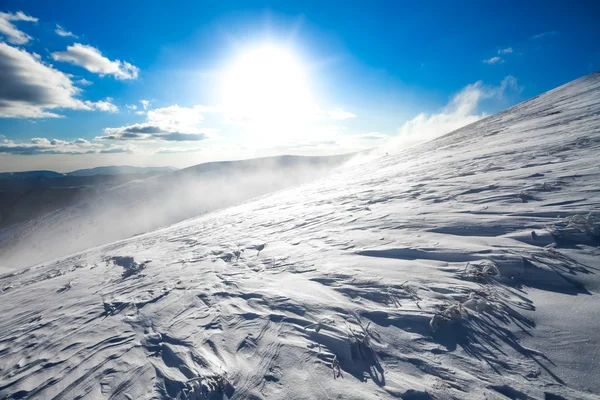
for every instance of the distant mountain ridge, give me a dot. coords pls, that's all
(105, 170)
(119, 169)
(30, 174)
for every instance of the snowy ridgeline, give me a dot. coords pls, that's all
(463, 268)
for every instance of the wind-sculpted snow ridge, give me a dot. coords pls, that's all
(463, 268)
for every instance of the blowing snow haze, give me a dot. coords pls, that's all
(304, 200)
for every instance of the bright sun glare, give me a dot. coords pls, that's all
(267, 84)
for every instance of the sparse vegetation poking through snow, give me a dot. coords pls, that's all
(64, 288)
(237, 253)
(335, 366)
(480, 271)
(213, 387)
(578, 228)
(526, 196)
(448, 313)
(393, 298)
(258, 248)
(476, 303)
(361, 339)
(411, 291)
(551, 248)
(349, 348)
(549, 186)
(113, 307)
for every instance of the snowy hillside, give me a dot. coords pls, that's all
(463, 268)
(53, 223)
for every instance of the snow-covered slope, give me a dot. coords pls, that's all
(466, 268)
(59, 222)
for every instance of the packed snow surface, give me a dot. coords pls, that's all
(463, 268)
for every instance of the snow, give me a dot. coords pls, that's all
(465, 268)
(116, 211)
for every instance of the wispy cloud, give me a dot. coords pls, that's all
(60, 31)
(131, 106)
(10, 31)
(507, 50)
(31, 88)
(92, 59)
(84, 82)
(145, 104)
(176, 118)
(493, 60)
(544, 34)
(339, 114)
(372, 136)
(460, 111)
(178, 150)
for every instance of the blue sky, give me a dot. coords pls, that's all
(225, 80)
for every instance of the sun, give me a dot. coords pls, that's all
(267, 84)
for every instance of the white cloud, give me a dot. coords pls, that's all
(493, 60)
(92, 59)
(175, 116)
(57, 146)
(544, 34)
(10, 31)
(141, 112)
(30, 88)
(145, 104)
(84, 82)
(173, 123)
(61, 32)
(103, 105)
(40, 141)
(508, 50)
(131, 106)
(339, 114)
(148, 131)
(459, 112)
